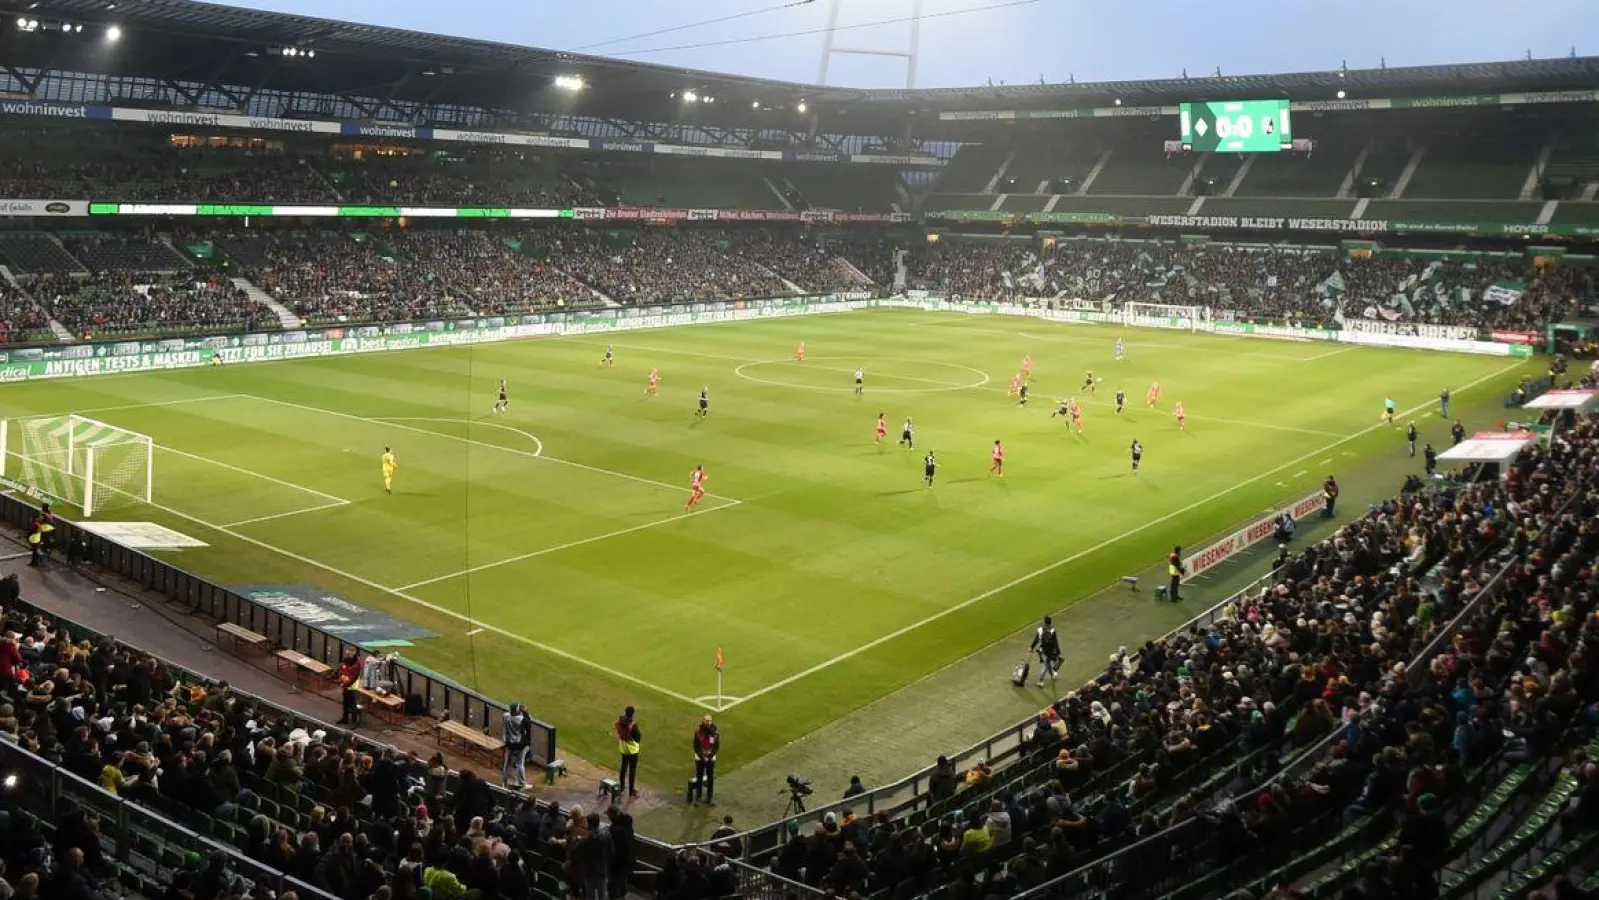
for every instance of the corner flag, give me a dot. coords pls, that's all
(718, 659)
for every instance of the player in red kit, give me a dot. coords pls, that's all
(882, 429)
(655, 379)
(799, 353)
(1015, 385)
(1154, 394)
(696, 487)
(1027, 367)
(1182, 416)
(997, 466)
(1077, 415)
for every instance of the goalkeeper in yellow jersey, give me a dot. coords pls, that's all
(388, 470)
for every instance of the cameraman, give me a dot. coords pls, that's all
(706, 742)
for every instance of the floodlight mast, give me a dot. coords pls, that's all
(910, 54)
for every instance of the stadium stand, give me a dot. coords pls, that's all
(131, 302)
(21, 320)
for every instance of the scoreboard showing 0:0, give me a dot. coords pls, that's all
(1236, 126)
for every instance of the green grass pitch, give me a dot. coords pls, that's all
(819, 563)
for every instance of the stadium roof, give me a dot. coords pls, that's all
(184, 40)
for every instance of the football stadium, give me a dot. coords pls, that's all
(437, 468)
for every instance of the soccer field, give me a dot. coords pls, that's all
(818, 563)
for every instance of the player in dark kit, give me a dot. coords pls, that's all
(907, 436)
(1022, 395)
(1088, 383)
(1063, 408)
(1121, 401)
(929, 468)
(1138, 455)
(504, 403)
(705, 403)
(1410, 438)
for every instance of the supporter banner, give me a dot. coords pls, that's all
(345, 620)
(43, 208)
(409, 132)
(1103, 112)
(1268, 223)
(1259, 530)
(620, 214)
(1411, 329)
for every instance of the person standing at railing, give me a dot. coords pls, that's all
(349, 676)
(515, 727)
(629, 737)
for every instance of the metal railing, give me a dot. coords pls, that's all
(129, 833)
(999, 750)
(439, 697)
(1106, 872)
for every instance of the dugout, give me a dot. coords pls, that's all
(1490, 452)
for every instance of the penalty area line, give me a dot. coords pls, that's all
(434, 607)
(451, 576)
(1045, 570)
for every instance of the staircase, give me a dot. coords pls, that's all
(1000, 173)
(5, 273)
(288, 320)
(1238, 178)
(901, 271)
(1403, 181)
(1187, 188)
(849, 268)
(1529, 187)
(1347, 187)
(1088, 180)
(778, 193)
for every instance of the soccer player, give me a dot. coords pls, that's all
(1063, 408)
(504, 403)
(655, 381)
(1023, 395)
(1410, 438)
(705, 403)
(1121, 350)
(996, 465)
(1088, 382)
(388, 470)
(929, 468)
(609, 359)
(1015, 385)
(1077, 415)
(1121, 401)
(1027, 367)
(1138, 454)
(696, 487)
(860, 381)
(907, 435)
(1182, 416)
(1388, 410)
(1153, 396)
(882, 428)
(799, 352)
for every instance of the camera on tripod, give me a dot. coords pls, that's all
(798, 790)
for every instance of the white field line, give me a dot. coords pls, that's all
(126, 406)
(393, 423)
(1325, 355)
(285, 515)
(538, 445)
(1269, 426)
(1023, 579)
(336, 501)
(443, 611)
(566, 546)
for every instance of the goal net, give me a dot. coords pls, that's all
(1164, 315)
(79, 460)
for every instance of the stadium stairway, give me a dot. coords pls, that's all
(287, 319)
(60, 331)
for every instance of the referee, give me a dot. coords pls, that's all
(1046, 643)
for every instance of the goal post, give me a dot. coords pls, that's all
(91, 464)
(1164, 315)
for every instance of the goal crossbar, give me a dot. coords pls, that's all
(83, 461)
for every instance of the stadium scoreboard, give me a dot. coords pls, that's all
(1236, 126)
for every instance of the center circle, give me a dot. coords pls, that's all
(921, 380)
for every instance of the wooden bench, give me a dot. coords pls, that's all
(470, 740)
(388, 707)
(309, 673)
(240, 636)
